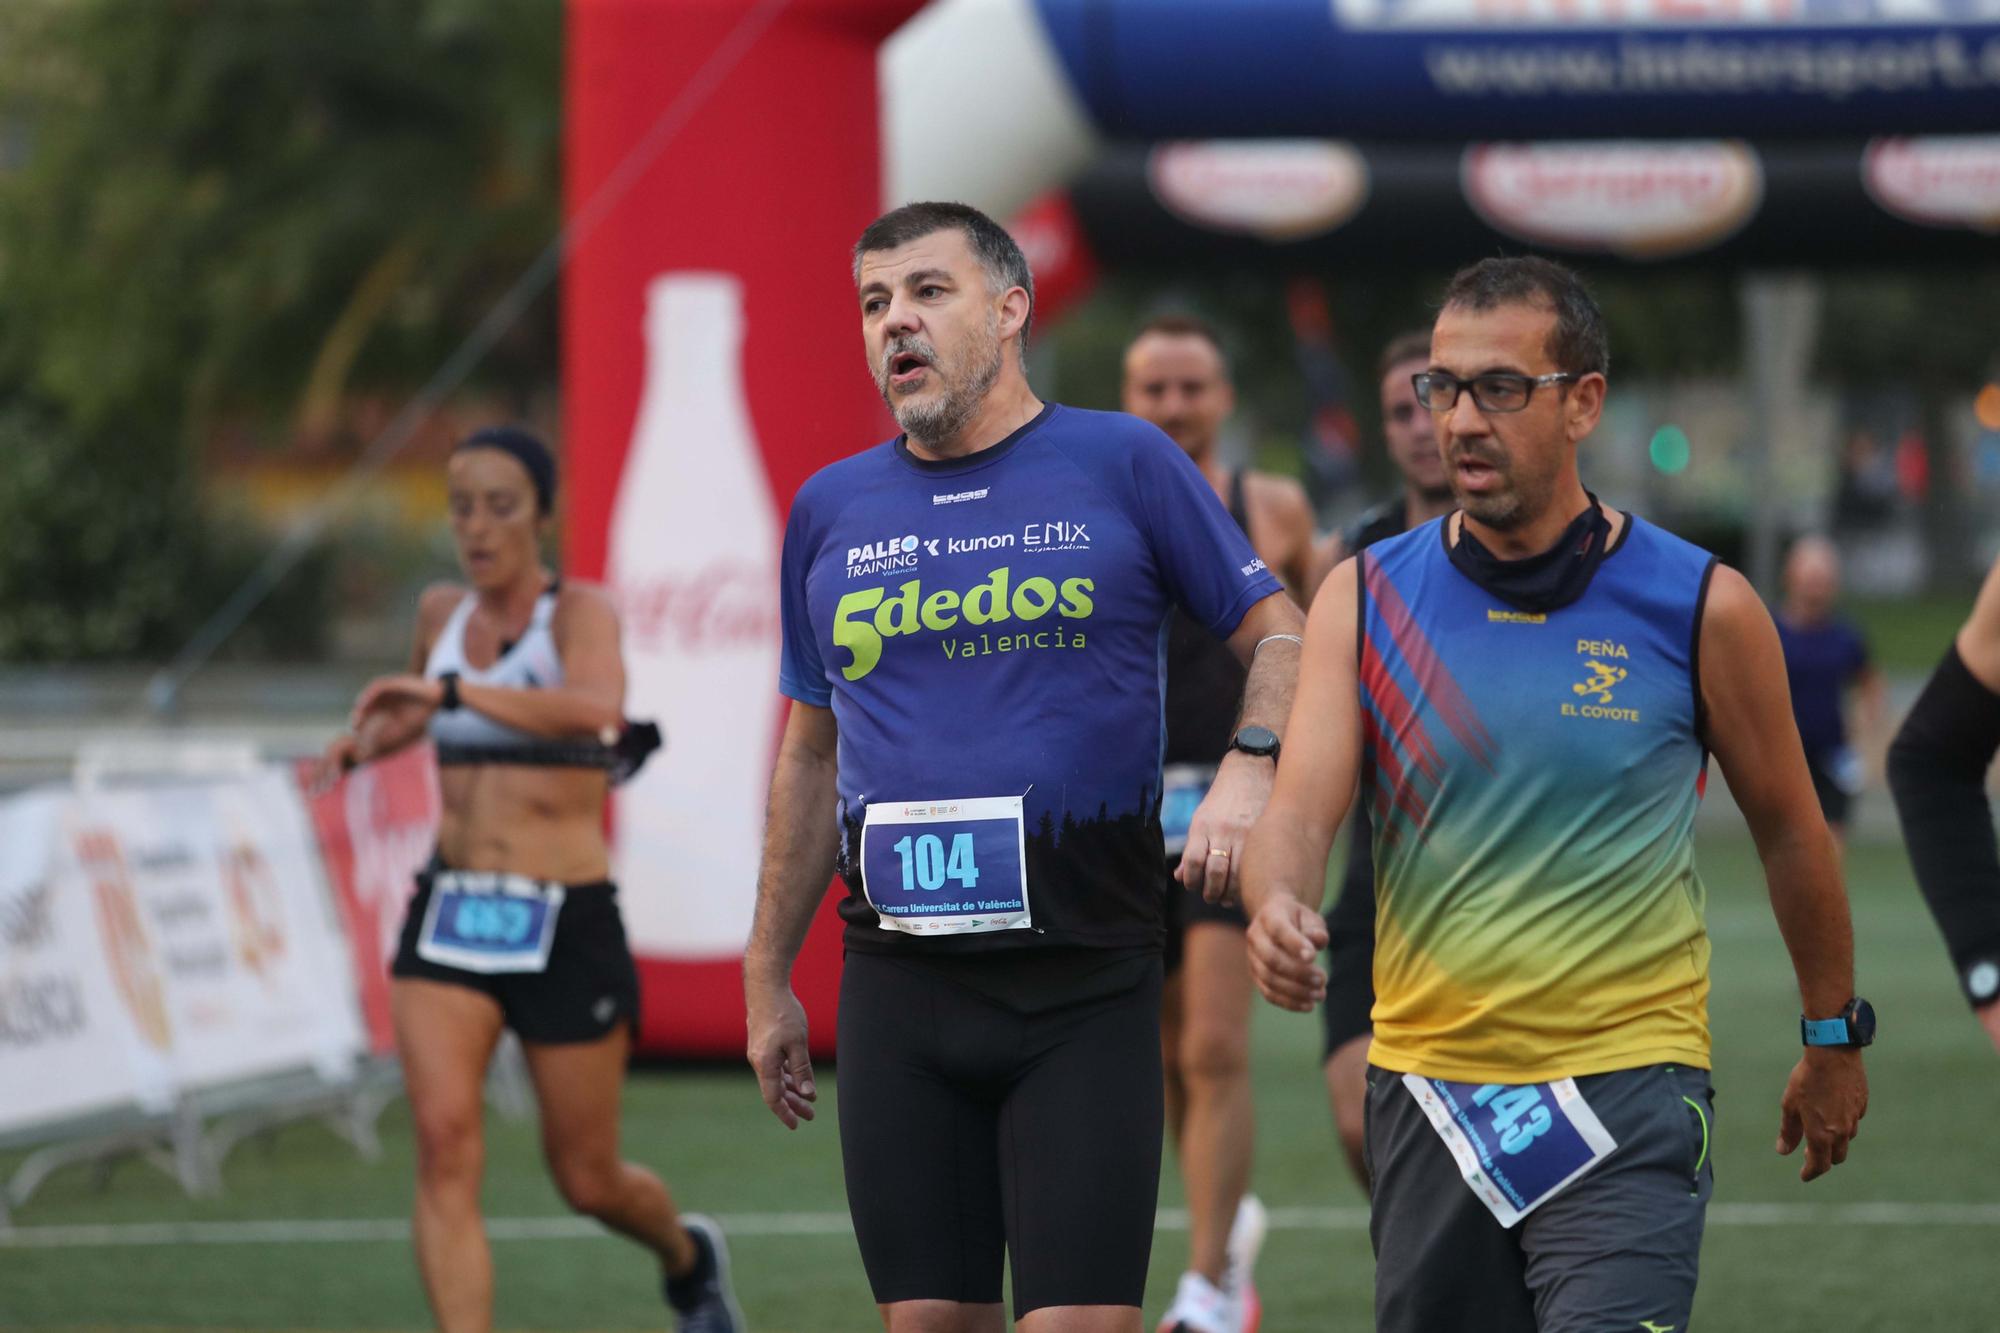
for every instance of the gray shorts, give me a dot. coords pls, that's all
(1616, 1250)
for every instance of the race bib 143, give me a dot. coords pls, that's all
(1517, 1145)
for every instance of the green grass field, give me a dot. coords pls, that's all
(1901, 1238)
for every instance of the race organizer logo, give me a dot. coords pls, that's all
(1278, 189)
(1639, 200)
(127, 945)
(1937, 182)
(1601, 677)
(256, 915)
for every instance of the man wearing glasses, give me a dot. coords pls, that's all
(1527, 692)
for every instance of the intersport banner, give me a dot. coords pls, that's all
(1457, 69)
(711, 362)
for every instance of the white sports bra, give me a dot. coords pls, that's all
(529, 663)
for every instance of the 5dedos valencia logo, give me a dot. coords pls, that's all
(1008, 616)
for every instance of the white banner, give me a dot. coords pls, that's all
(220, 937)
(163, 937)
(66, 1045)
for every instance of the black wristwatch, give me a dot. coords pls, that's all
(1852, 1026)
(1260, 741)
(448, 679)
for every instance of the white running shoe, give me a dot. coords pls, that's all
(1246, 1237)
(1199, 1307)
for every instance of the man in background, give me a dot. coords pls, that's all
(1826, 659)
(1177, 377)
(1412, 445)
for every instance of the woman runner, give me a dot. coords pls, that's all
(520, 682)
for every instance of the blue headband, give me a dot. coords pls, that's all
(524, 449)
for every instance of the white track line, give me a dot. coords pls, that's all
(396, 1229)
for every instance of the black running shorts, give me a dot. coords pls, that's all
(973, 1130)
(1186, 907)
(1835, 801)
(589, 987)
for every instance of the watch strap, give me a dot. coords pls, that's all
(1825, 1031)
(450, 702)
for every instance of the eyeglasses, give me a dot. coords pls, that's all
(1495, 392)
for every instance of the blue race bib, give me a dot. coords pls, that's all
(946, 867)
(480, 921)
(1516, 1145)
(1182, 790)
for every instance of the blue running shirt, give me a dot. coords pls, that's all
(1821, 661)
(992, 626)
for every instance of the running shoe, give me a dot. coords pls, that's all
(1246, 1236)
(701, 1299)
(1199, 1307)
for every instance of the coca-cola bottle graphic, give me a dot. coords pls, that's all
(693, 559)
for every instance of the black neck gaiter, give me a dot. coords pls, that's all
(1539, 583)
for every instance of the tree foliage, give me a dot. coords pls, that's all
(225, 218)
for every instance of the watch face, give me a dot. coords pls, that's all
(1982, 980)
(1257, 740)
(1862, 1022)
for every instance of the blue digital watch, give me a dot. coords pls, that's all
(1852, 1026)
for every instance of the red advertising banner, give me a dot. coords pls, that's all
(376, 829)
(711, 362)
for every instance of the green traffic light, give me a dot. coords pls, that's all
(1670, 450)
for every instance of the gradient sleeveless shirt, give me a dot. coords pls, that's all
(1532, 780)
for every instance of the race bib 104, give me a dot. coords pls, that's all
(489, 922)
(1517, 1145)
(946, 867)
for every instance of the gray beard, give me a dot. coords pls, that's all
(1502, 513)
(945, 415)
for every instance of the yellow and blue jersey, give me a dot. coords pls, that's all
(1532, 780)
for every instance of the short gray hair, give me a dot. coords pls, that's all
(998, 254)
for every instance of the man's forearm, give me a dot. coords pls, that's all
(800, 843)
(1268, 690)
(1811, 907)
(1279, 858)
